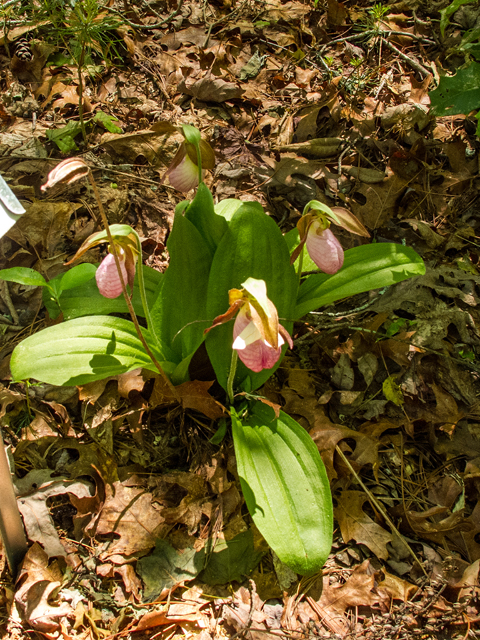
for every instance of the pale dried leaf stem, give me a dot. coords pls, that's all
(5, 293)
(382, 511)
(415, 65)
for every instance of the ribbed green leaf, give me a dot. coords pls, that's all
(202, 214)
(285, 487)
(179, 313)
(253, 247)
(81, 351)
(370, 266)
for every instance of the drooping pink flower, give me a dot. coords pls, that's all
(183, 173)
(107, 276)
(324, 248)
(184, 176)
(257, 335)
(253, 350)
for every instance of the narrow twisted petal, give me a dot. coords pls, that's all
(253, 351)
(108, 280)
(184, 176)
(324, 249)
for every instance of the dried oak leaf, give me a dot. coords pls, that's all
(191, 395)
(129, 515)
(355, 524)
(38, 583)
(33, 491)
(359, 590)
(397, 588)
(210, 89)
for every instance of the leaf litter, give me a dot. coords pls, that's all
(135, 517)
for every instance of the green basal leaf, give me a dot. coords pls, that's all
(285, 487)
(77, 276)
(227, 208)
(202, 214)
(457, 94)
(179, 313)
(253, 247)
(370, 266)
(81, 351)
(23, 275)
(85, 299)
(231, 560)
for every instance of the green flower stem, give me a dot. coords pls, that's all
(143, 293)
(133, 315)
(300, 265)
(231, 375)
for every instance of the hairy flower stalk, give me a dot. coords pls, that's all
(69, 171)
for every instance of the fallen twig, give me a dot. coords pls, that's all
(415, 65)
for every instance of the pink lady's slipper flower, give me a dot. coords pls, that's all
(184, 173)
(314, 231)
(257, 335)
(107, 276)
(324, 248)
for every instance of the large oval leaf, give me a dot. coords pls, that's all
(252, 247)
(202, 214)
(370, 266)
(285, 487)
(81, 351)
(179, 314)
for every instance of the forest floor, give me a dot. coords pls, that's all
(118, 495)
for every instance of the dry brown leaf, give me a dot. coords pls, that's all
(375, 204)
(435, 523)
(396, 588)
(358, 591)
(34, 490)
(316, 148)
(355, 524)
(130, 515)
(193, 493)
(327, 435)
(336, 13)
(210, 89)
(38, 581)
(289, 11)
(44, 224)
